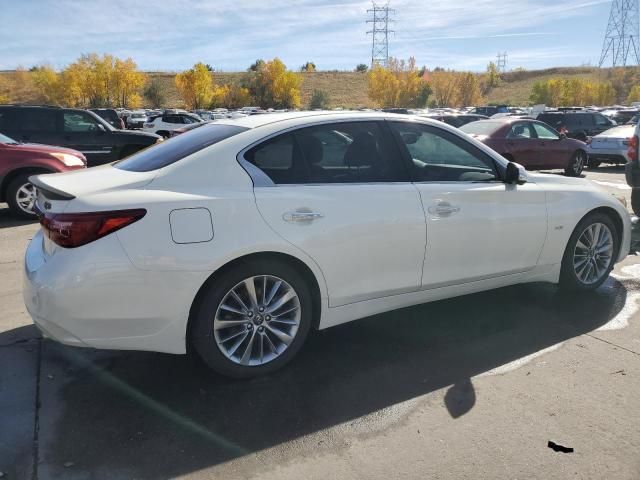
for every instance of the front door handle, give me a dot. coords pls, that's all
(443, 209)
(301, 216)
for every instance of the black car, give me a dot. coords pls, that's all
(111, 116)
(72, 128)
(489, 110)
(458, 120)
(577, 124)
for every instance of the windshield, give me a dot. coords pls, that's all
(177, 148)
(7, 140)
(481, 127)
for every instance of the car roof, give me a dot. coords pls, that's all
(254, 121)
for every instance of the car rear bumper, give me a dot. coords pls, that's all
(92, 296)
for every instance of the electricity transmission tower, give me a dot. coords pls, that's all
(380, 18)
(502, 62)
(621, 37)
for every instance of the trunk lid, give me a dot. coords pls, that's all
(57, 190)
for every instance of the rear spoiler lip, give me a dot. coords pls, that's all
(50, 192)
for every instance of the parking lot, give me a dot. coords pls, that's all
(472, 387)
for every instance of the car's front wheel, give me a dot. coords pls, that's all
(590, 254)
(576, 165)
(21, 196)
(253, 319)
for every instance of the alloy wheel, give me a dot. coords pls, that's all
(593, 253)
(26, 197)
(257, 320)
(578, 164)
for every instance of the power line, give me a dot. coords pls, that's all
(621, 36)
(380, 19)
(501, 65)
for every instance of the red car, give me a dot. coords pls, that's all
(533, 144)
(18, 161)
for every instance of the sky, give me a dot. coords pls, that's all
(172, 35)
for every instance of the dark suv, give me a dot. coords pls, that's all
(578, 125)
(111, 116)
(72, 128)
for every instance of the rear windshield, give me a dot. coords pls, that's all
(481, 127)
(177, 148)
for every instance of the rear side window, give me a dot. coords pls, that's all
(38, 120)
(177, 148)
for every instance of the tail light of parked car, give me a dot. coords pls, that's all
(70, 230)
(632, 151)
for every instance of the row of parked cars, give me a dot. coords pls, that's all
(562, 139)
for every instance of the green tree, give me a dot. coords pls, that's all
(362, 67)
(308, 67)
(155, 93)
(319, 100)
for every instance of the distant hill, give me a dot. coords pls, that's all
(349, 89)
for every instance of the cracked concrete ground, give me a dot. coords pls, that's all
(472, 387)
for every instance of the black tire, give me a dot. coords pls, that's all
(201, 333)
(12, 193)
(576, 165)
(163, 133)
(568, 277)
(635, 201)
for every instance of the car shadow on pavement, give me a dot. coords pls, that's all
(146, 415)
(8, 219)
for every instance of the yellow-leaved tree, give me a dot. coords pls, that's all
(272, 85)
(634, 94)
(399, 84)
(196, 86)
(230, 96)
(444, 85)
(468, 90)
(48, 83)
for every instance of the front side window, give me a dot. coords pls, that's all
(439, 156)
(601, 120)
(348, 152)
(544, 132)
(521, 130)
(79, 122)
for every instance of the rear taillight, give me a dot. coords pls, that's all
(72, 230)
(632, 151)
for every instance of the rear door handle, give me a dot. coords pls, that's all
(443, 209)
(301, 216)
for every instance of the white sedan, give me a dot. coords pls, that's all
(239, 237)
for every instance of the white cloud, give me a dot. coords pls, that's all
(231, 34)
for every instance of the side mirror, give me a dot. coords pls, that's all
(514, 175)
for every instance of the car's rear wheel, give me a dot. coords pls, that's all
(253, 319)
(21, 196)
(576, 165)
(590, 254)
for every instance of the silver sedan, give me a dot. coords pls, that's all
(610, 146)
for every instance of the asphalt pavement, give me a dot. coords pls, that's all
(473, 387)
